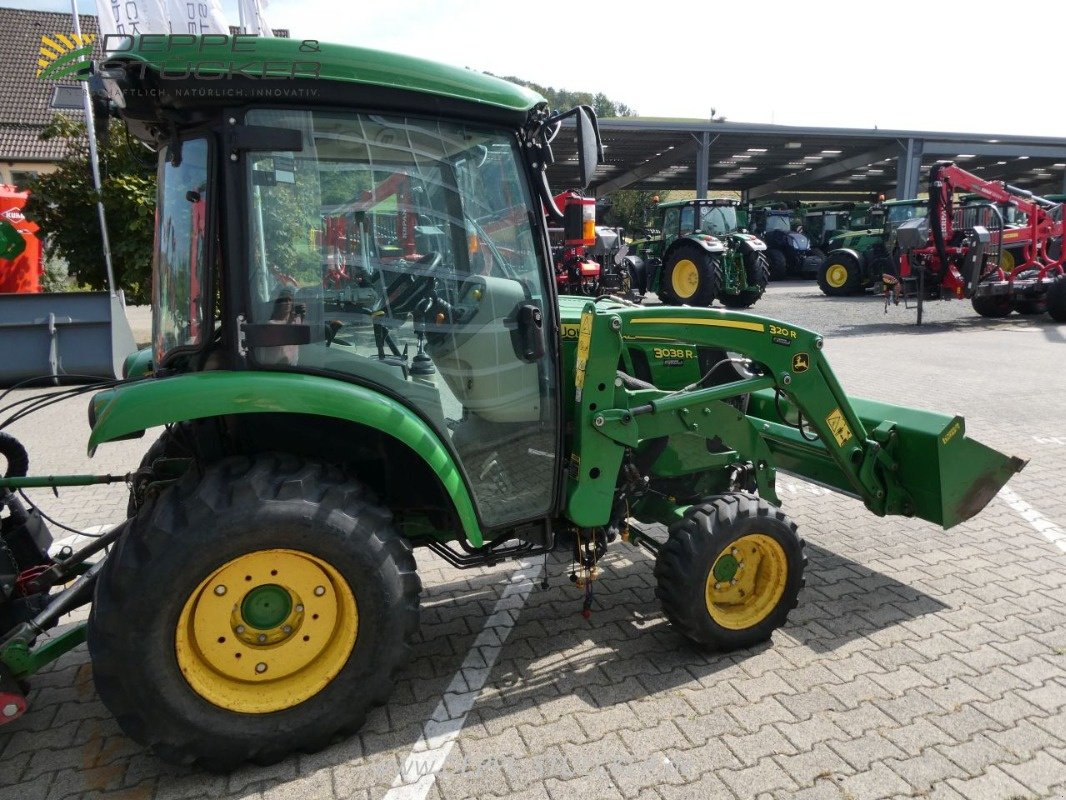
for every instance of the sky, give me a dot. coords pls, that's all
(937, 65)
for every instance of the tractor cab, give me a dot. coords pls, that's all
(788, 250)
(365, 247)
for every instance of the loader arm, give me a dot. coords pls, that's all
(897, 460)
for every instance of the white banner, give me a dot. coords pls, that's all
(253, 19)
(132, 17)
(197, 17)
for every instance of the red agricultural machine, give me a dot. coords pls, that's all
(940, 259)
(591, 259)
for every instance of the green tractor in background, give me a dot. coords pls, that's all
(358, 352)
(701, 255)
(858, 258)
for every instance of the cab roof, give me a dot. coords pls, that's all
(708, 201)
(310, 60)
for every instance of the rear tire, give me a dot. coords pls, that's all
(1056, 299)
(689, 276)
(841, 275)
(162, 598)
(730, 572)
(778, 265)
(758, 275)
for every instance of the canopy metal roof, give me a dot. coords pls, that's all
(787, 161)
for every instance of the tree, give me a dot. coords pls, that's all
(63, 203)
(631, 209)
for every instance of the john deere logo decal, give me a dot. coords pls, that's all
(801, 362)
(63, 56)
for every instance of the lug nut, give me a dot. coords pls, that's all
(287, 629)
(319, 591)
(261, 638)
(300, 608)
(10, 710)
(260, 667)
(220, 590)
(240, 629)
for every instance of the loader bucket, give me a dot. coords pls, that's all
(948, 476)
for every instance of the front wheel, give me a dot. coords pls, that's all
(778, 265)
(689, 276)
(758, 275)
(840, 275)
(992, 305)
(730, 572)
(259, 608)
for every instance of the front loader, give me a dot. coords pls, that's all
(262, 593)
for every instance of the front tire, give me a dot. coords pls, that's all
(262, 608)
(778, 265)
(992, 305)
(689, 276)
(730, 572)
(840, 275)
(758, 275)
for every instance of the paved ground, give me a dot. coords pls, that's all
(920, 663)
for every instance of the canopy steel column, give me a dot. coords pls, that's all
(909, 170)
(703, 165)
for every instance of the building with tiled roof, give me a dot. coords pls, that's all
(25, 100)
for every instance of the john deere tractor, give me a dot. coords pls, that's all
(858, 258)
(701, 255)
(358, 353)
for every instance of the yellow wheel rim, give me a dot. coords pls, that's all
(1006, 260)
(836, 275)
(685, 278)
(746, 581)
(266, 631)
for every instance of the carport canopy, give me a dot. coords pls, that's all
(786, 162)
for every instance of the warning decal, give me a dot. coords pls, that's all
(839, 426)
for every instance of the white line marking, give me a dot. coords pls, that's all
(427, 757)
(1045, 527)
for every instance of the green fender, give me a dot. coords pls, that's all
(137, 406)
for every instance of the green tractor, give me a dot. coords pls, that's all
(858, 258)
(700, 255)
(358, 353)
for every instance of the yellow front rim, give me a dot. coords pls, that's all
(746, 581)
(685, 278)
(266, 631)
(1006, 260)
(836, 275)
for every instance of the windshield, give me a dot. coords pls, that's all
(778, 222)
(901, 213)
(178, 257)
(718, 220)
(406, 249)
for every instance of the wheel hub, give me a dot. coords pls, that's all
(746, 581)
(266, 631)
(836, 276)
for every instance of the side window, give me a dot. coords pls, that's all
(178, 275)
(688, 220)
(670, 217)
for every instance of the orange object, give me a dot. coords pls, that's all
(22, 273)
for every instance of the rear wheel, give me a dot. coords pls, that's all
(778, 265)
(731, 571)
(1056, 299)
(758, 275)
(262, 608)
(840, 275)
(689, 276)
